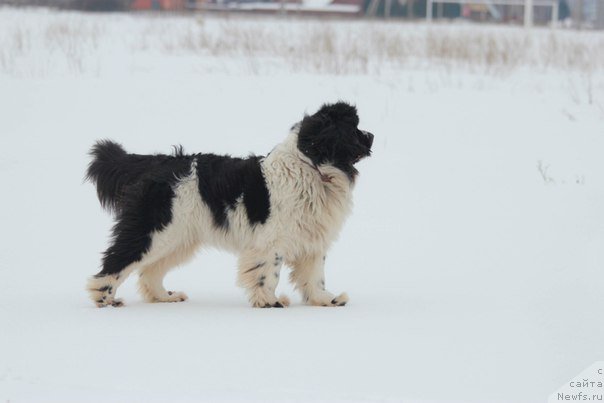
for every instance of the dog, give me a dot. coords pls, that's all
(285, 208)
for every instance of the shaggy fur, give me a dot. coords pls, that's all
(285, 208)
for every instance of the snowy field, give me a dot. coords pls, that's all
(474, 257)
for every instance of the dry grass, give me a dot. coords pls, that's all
(364, 47)
(75, 42)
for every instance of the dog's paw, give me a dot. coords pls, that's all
(329, 300)
(340, 300)
(117, 303)
(282, 302)
(171, 296)
(103, 302)
(101, 291)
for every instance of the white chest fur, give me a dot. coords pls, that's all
(307, 211)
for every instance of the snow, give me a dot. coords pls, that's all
(474, 275)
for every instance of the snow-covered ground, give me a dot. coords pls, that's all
(474, 257)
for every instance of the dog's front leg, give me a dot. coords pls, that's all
(308, 276)
(259, 273)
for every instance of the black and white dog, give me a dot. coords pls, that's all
(287, 207)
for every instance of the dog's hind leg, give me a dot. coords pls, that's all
(102, 287)
(259, 274)
(146, 210)
(151, 276)
(308, 276)
(119, 261)
(127, 254)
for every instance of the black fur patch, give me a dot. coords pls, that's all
(223, 180)
(331, 136)
(139, 190)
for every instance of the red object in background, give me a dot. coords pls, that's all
(171, 4)
(466, 11)
(157, 4)
(141, 5)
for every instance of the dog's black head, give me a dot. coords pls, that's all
(331, 136)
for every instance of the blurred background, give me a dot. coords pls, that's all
(474, 255)
(570, 13)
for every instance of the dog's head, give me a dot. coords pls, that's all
(331, 136)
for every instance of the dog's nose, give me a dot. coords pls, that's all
(369, 136)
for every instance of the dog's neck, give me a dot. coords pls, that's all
(324, 177)
(289, 149)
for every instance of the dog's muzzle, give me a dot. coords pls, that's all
(369, 137)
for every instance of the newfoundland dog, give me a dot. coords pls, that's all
(283, 208)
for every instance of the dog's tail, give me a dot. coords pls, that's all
(109, 171)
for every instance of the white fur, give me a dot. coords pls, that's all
(306, 215)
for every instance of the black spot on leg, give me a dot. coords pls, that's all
(259, 265)
(261, 284)
(334, 301)
(100, 301)
(278, 305)
(169, 292)
(103, 289)
(276, 275)
(262, 278)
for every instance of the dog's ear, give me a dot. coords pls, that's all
(315, 138)
(341, 113)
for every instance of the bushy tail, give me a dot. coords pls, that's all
(108, 171)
